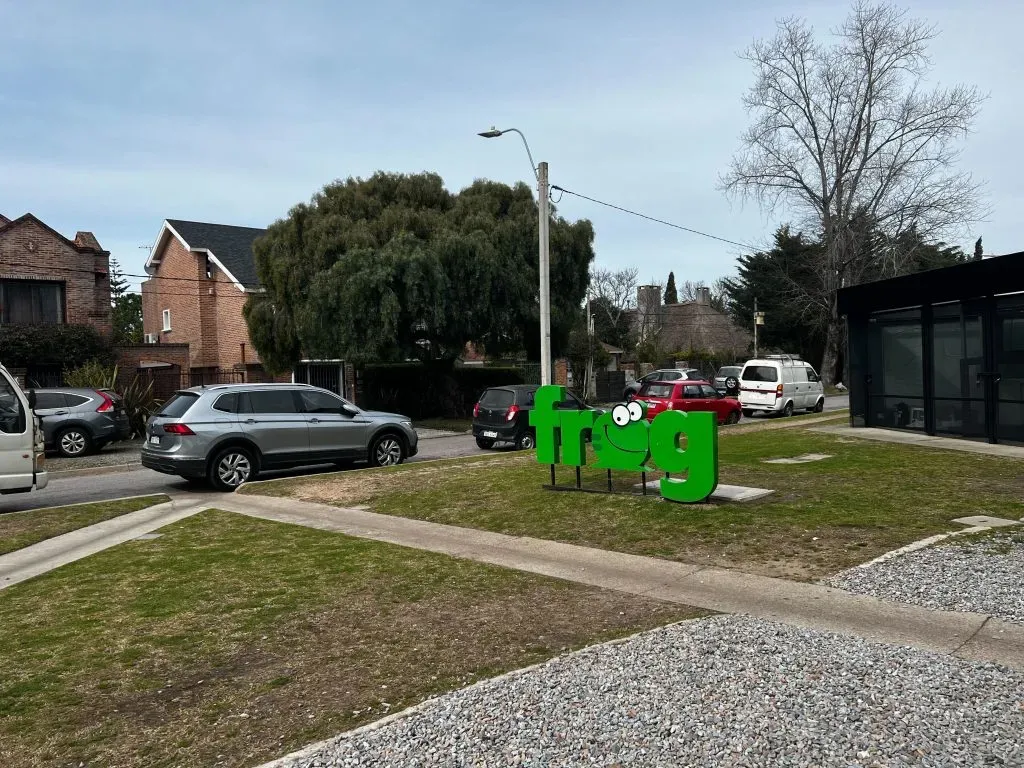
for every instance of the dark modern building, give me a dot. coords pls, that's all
(940, 351)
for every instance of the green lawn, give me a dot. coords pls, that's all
(229, 641)
(20, 529)
(869, 498)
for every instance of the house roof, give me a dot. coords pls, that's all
(84, 242)
(612, 350)
(230, 247)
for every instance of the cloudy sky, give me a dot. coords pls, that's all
(116, 115)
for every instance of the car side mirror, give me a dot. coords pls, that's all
(32, 399)
(346, 411)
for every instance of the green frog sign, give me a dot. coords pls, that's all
(675, 442)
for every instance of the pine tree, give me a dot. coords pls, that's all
(127, 308)
(979, 252)
(671, 296)
(118, 283)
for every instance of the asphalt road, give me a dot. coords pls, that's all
(81, 488)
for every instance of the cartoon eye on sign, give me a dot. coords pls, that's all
(620, 415)
(636, 410)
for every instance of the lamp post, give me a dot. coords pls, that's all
(540, 172)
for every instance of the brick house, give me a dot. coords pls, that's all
(202, 274)
(45, 278)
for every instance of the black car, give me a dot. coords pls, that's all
(502, 415)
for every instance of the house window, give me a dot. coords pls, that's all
(167, 320)
(209, 269)
(27, 302)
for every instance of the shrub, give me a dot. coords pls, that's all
(69, 346)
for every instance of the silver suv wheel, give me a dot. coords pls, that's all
(388, 452)
(233, 469)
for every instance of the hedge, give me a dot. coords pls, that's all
(68, 346)
(423, 391)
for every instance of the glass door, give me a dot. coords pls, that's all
(1007, 373)
(958, 368)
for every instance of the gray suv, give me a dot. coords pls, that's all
(229, 433)
(79, 421)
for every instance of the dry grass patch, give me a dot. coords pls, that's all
(229, 641)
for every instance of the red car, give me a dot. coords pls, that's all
(688, 396)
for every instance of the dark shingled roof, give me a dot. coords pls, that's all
(232, 246)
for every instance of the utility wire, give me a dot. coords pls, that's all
(555, 187)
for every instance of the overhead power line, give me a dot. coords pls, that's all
(652, 218)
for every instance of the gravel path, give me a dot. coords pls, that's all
(982, 575)
(726, 691)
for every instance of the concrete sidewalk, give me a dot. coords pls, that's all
(967, 635)
(925, 441)
(34, 560)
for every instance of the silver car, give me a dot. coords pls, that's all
(227, 434)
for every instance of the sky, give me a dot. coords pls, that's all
(117, 115)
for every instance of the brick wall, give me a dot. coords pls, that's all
(130, 355)
(175, 287)
(30, 251)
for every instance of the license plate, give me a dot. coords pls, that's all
(490, 434)
(154, 440)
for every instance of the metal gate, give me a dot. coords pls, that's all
(326, 374)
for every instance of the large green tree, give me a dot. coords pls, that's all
(126, 308)
(395, 267)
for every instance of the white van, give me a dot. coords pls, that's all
(780, 384)
(21, 440)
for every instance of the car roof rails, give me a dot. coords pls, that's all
(790, 359)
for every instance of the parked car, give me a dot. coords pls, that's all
(22, 461)
(728, 378)
(662, 374)
(502, 415)
(688, 395)
(78, 421)
(228, 433)
(780, 384)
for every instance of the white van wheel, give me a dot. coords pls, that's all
(788, 410)
(820, 405)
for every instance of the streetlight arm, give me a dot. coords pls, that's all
(529, 154)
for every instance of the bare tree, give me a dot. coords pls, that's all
(617, 291)
(849, 137)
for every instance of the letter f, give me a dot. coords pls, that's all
(546, 422)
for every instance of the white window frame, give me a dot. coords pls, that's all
(166, 320)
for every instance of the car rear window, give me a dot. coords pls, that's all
(760, 373)
(76, 400)
(497, 398)
(656, 390)
(732, 370)
(227, 403)
(179, 403)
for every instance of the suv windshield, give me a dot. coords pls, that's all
(760, 373)
(175, 407)
(729, 370)
(656, 390)
(498, 398)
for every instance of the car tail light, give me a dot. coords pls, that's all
(476, 410)
(778, 391)
(178, 429)
(512, 411)
(107, 404)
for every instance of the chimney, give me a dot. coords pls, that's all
(703, 294)
(87, 240)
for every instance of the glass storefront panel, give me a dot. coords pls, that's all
(1010, 369)
(896, 392)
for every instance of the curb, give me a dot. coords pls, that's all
(103, 469)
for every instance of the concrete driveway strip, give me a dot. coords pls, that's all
(968, 635)
(37, 559)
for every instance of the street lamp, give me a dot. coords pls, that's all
(540, 172)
